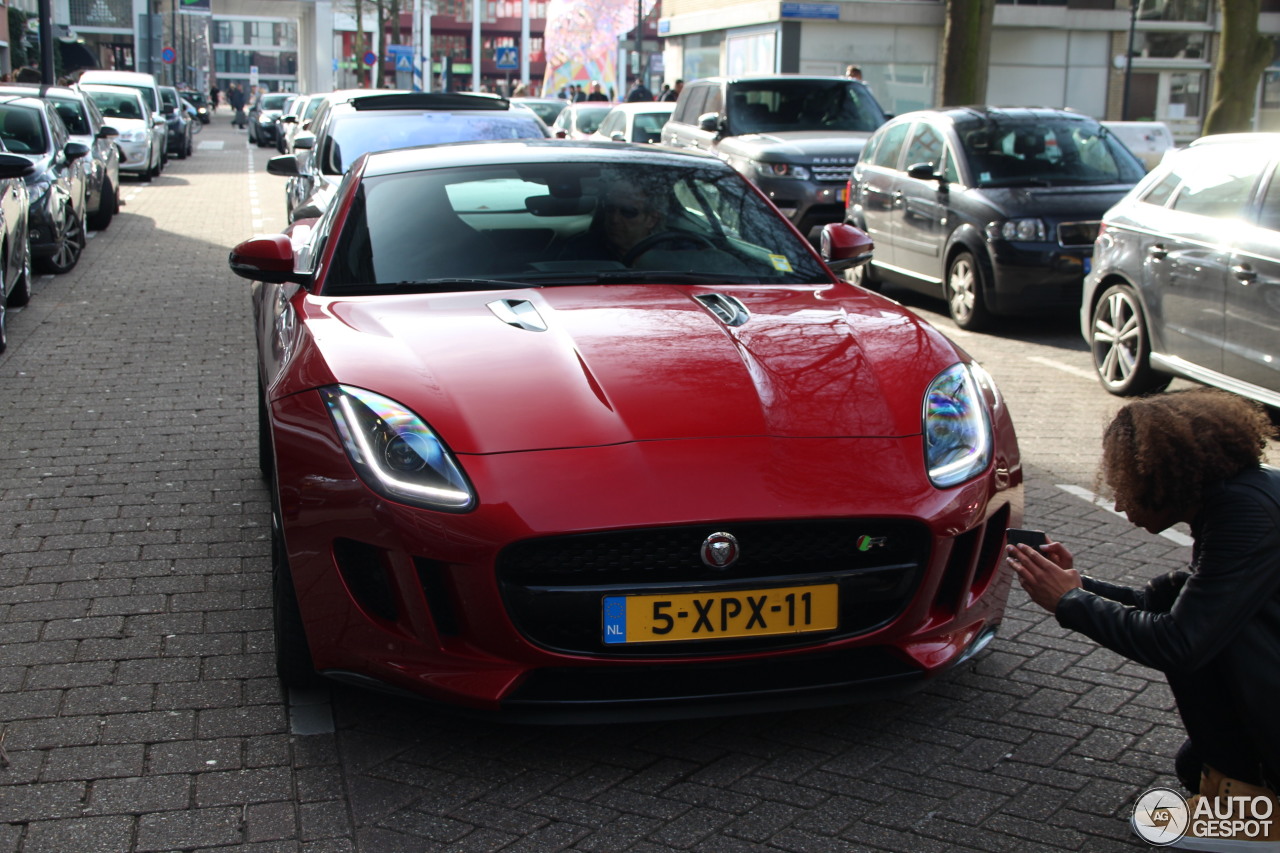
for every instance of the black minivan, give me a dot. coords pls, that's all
(993, 208)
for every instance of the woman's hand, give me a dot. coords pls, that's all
(1046, 575)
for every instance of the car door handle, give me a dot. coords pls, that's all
(1244, 273)
(1158, 251)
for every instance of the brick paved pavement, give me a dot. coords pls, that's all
(140, 713)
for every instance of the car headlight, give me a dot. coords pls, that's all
(781, 170)
(395, 452)
(264, 119)
(957, 430)
(1028, 230)
(134, 136)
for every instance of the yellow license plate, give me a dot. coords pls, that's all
(720, 615)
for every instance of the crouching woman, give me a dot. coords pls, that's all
(1214, 629)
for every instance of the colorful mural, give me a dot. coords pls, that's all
(582, 41)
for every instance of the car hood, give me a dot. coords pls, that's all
(1056, 203)
(631, 363)
(799, 146)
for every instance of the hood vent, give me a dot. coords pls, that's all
(520, 313)
(730, 310)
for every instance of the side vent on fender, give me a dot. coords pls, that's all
(730, 310)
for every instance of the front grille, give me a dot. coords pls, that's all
(1078, 233)
(839, 172)
(553, 588)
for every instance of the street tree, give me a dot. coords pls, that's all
(1243, 54)
(966, 52)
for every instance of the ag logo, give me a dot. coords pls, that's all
(1160, 817)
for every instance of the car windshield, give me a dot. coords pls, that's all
(169, 97)
(589, 118)
(362, 133)
(73, 115)
(116, 104)
(1046, 152)
(21, 131)
(648, 126)
(505, 226)
(148, 94)
(274, 101)
(767, 106)
(546, 110)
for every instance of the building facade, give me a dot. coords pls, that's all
(1063, 53)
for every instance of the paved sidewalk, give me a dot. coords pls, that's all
(137, 699)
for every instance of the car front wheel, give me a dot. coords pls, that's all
(71, 241)
(1121, 345)
(293, 652)
(965, 291)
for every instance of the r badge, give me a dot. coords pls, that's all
(720, 550)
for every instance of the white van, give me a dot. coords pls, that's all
(1148, 140)
(144, 83)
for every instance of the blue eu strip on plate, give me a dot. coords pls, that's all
(615, 619)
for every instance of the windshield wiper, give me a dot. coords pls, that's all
(454, 284)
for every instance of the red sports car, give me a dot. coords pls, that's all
(587, 430)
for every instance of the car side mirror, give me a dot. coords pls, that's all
(15, 166)
(924, 172)
(618, 136)
(844, 247)
(288, 119)
(304, 139)
(75, 150)
(710, 122)
(267, 259)
(107, 132)
(284, 165)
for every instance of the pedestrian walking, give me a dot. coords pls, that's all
(672, 93)
(236, 96)
(1213, 630)
(213, 98)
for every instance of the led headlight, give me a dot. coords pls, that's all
(1029, 230)
(957, 431)
(395, 452)
(781, 170)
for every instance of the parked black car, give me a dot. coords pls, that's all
(181, 126)
(1186, 274)
(794, 136)
(995, 209)
(354, 122)
(264, 116)
(57, 187)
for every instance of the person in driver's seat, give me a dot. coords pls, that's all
(629, 223)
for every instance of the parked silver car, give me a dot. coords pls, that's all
(1186, 273)
(142, 138)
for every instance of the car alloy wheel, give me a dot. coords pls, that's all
(964, 290)
(70, 242)
(1121, 346)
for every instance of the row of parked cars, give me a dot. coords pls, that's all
(63, 150)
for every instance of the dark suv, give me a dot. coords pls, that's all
(353, 122)
(994, 209)
(795, 137)
(1186, 273)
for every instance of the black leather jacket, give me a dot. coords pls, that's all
(1224, 613)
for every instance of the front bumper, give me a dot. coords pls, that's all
(1036, 278)
(808, 204)
(134, 156)
(499, 610)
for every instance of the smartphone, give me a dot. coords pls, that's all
(1021, 536)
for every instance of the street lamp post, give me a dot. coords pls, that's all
(1128, 59)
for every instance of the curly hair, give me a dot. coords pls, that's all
(1163, 452)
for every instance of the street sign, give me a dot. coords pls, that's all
(403, 56)
(168, 55)
(508, 58)
(371, 58)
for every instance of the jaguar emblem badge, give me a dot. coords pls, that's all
(720, 550)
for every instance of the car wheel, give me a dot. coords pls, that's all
(293, 654)
(155, 169)
(181, 153)
(191, 146)
(107, 205)
(1121, 345)
(70, 244)
(21, 293)
(965, 289)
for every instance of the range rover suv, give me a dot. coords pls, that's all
(796, 137)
